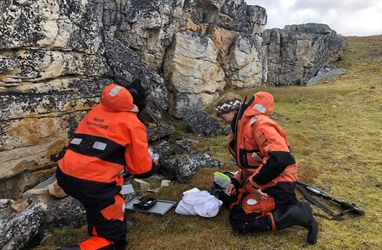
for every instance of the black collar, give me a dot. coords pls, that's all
(233, 123)
(240, 113)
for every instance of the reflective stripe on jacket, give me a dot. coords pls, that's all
(109, 137)
(261, 147)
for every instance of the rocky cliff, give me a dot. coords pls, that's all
(57, 55)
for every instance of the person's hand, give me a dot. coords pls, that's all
(260, 194)
(230, 190)
(154, 156)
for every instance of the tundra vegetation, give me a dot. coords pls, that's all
(335, 132)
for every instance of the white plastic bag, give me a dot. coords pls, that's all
(199, 203)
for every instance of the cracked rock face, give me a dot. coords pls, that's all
(56, 56)
(297, 53)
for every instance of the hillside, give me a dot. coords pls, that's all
(335, 133)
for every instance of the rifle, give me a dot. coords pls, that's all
(347, 206)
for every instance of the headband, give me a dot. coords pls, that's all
(227, 106)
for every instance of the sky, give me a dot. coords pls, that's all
(346, 17)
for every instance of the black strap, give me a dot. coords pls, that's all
(322, 206)
(240, 112)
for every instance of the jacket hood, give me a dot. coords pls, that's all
(262, 105)
(118, 98)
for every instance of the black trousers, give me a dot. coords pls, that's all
(95, 197)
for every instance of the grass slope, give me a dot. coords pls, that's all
(335, 132)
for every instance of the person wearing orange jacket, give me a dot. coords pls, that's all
(108, 139)
(261, 195)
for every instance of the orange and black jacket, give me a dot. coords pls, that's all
(108, 138)
(260, 146)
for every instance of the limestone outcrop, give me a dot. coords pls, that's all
(56, 56)
(296, 53)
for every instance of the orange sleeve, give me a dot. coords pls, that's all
(273, 144)
(137, 156)
(270, 140)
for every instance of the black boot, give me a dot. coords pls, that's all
(299, 214)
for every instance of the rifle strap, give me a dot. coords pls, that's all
(320, 205)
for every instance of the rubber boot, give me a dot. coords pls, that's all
(299, 214)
